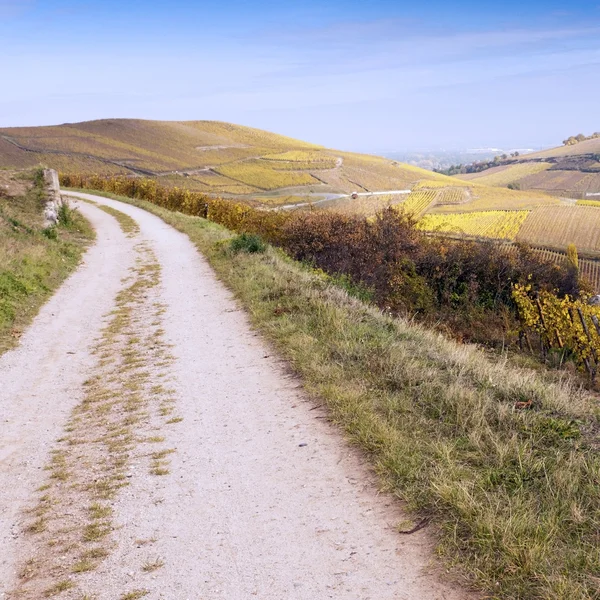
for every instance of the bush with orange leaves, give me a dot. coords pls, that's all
(465, 285)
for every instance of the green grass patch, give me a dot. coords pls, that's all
(34, 260)
(502, 459)
(247, 242)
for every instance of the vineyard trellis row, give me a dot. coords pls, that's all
(589, 269)
(563, 325)
(497, 224)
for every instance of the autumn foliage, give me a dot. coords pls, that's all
(465, 285)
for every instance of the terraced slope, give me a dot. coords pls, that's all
(571, 171)
(213, 157)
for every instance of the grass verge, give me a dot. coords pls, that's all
(503, 460)
(34, 260)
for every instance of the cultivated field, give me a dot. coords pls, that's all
(594, 203)
(586, 147)
(418, 202)
(486, 198)
(213, 157)
(571, 171)
(496, 224)
(558, 226)
(565, 182)
(264, 177)
(502, 176)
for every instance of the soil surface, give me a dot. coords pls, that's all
(262, 497)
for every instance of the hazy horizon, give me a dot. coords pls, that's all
(385, 77)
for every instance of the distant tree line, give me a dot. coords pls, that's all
(575, 139)
(477, 166)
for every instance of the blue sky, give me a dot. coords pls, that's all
(370, 76)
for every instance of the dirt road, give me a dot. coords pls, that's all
(260, 497)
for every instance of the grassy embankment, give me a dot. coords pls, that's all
(33, 261)
(502, 460)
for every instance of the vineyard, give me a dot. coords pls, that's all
(502, 176)
(453, 195)
(589, 269)
(594, 203)
(418, 202)
(484, 198)
(430, 185)
(566, 326)
(264, 177)
(300, 160)
(185, 154)
(496, 224)
(364, 206)
(559, 226)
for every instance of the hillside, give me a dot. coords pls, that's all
(213, 157)
(572, 171)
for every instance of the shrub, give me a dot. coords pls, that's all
(50, 233)
(66, 215)
(247, 242)
(386, 257)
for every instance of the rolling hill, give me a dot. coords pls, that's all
(270, 170)
(213, 157)
(571, 171)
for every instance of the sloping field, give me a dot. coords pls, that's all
(264, 177)
(571, 171)
(365, 206)
(558, 226)
(563, 181)
(586, 147)
(208, 156)
(487, 198)
(418, 202)
(506, 174)
(496, 224)
(153, 145)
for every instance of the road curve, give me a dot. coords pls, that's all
(264, 498)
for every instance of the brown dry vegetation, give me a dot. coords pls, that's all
(403, 269)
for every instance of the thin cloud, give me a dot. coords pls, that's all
(14, 8)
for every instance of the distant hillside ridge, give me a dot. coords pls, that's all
(210, 156)
(571, 170)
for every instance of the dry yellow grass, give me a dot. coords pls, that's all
(497, 224)
(558, 226)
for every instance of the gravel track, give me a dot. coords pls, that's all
(41, 380)
(264, 499)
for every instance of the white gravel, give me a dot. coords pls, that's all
(40, 380)
(264, 500)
